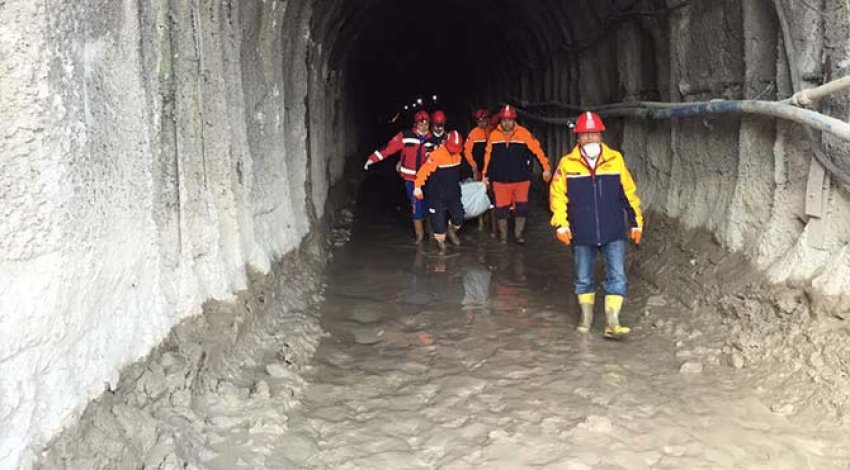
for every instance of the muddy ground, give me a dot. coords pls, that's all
(470, 360)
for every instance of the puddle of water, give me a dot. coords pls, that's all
(470, 361)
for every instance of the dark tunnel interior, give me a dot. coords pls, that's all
(464, 53)
(395, 52)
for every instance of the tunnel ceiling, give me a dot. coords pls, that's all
(393, 51)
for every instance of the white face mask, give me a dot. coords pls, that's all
(592, 150)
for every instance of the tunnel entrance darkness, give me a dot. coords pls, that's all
(461, 51)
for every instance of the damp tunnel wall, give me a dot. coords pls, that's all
(158, 148)
(156, 151)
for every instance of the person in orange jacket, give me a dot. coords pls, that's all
(507, 166)
(473, 151)
(411, 144)
(591, 197)
(442, 173)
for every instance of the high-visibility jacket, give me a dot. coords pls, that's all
(433, 142)
(473, 148)
(594, 203)
(411, 145)
(507, 156)
(442, 173)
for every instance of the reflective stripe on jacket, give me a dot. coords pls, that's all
(442, 173)
(473, 148)
(594, 203)
(412, 155)
(507, 156)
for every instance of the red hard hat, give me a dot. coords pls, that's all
(589, 122)
(438, 117)
(507, 112)
(454, 142)
(421, 115)
(480, 114)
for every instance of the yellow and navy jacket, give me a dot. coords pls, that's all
(594, 203)
(442, 173)
(473, 148)
(507, 156)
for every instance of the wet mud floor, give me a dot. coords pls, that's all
(470, 360)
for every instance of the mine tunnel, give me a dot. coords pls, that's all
(197, 272)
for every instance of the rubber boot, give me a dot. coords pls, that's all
(441, 242)
(503, 230)
(419, 230)
(519, 228)
(453, 237)
(613, 329)
(585, 302)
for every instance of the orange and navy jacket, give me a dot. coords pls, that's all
(594, 203)
(412, 150)
(507, 156)
(442, 173)
(473, 148)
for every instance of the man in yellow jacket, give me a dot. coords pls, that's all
(592, 195)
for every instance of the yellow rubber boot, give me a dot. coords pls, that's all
(613, 329)
(585, 302)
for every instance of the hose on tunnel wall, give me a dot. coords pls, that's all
(660, 110)
(794, 72)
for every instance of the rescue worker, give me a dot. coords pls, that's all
(442, 173)
(411, 145)
(438, 133)
(438, 127)
(591, 196)
(473, 151)
(507, 166)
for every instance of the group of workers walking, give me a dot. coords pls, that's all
(591, 195)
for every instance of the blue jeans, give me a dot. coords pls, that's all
(419, 208)
(614, 254)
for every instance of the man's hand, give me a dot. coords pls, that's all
(636, 235)
(547, 176)
(564, 235)
(485, 180)
(417, 193)
(476, 174)
(366, 166)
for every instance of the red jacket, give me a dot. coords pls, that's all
(412, 153)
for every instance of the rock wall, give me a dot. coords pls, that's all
(744, 178)
(156, 149)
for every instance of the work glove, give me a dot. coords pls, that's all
(564, 235)
(547, 176)
(636, 235)
(366, 166)
(417, 193)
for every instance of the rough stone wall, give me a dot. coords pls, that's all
(155, 149)
(744, 178)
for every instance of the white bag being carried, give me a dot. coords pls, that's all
(473, 195)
